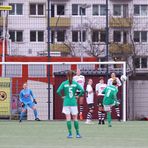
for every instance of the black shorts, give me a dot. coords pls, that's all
(100, 100)
(91, 106)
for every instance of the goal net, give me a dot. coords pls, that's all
(44, 78)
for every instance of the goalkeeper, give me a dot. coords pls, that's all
(25, 99)
(70, 103)
(110, 99)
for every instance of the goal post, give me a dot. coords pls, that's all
(37, 68)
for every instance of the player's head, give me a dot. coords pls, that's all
(70, 74)
(113, 75)
(114, 83)
(90, 81)
(101, 80)
(78, 72)
(25, 85)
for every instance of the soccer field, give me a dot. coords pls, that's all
(53, 134)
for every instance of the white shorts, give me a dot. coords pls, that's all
(108, 107)
(70, 110)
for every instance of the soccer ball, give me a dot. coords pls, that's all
(123, 78)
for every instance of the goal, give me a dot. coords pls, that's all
(45, 77)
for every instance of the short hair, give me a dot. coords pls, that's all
(101, 78)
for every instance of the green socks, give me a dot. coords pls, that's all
(69, 127)
(109, 118)
(76, 125)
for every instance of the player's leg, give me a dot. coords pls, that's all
(32, 106)
(66, 111)
(81, 102)
(74, 111)
(24, 108)
(107, 108)
(101, 113)
(89, 114)
(118, 112)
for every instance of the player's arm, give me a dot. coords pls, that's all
(109, 82)
(20, 98)
(97, 90)
(118, 82)
(80, 89)
(32, 95)
(60, 89)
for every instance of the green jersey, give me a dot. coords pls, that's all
(69, 92)
(110, 95)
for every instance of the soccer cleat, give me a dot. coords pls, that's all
(78, 136)
(81, 116)
(69, 136)
(99, 122)
(103, 122)
(37, 119)
(20, 121)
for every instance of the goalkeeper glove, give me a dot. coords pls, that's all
(22, 104)
(34, 101)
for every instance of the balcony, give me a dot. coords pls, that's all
(120, 49)
(60, 22)
(120, 22)
(1, 21)
(59, 48)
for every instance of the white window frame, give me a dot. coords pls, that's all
(37, 39)
(15, 35)
(36, 5)
(140, 11)
(79, 10)
(15, 11)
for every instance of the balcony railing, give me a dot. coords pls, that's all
(60, 22)
(120, 49)
(120, 22)
(60, 48)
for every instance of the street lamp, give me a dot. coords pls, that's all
(4, 9)
(83, 6)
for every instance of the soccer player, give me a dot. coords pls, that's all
(99, 88)
(70, 102)
(26, 96)
(80, 79)
(110, 99)
(89, 101)
(110, 81)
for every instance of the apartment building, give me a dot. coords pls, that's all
(28, 23)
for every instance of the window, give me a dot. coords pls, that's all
(140, 36)
(95, 36)
(16, 36)
(17, 9)
(61, 36)
(37, 9)
(141, 62)
(36, 36)
(95, 9)
(136, 36)
(117, 36)
(137, 10)
(78, 10)
(117, 10)
(52, 10)
(103, 10)
(102, 36)
(83, 36)
(60, 10)
(143, 36)
(75, 36)
(137, 62)
(144, 10)
(52, 36)
(140, 10)
(144, 62)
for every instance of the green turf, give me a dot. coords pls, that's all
(133, 134)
